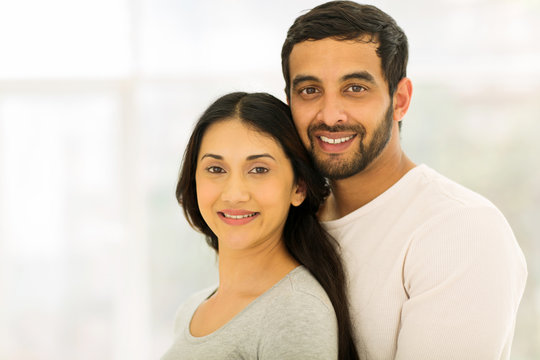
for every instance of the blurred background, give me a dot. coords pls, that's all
(97, 99)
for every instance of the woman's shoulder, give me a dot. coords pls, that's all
(300, 321)
(301, 287)
(185, 311)
(298, 296)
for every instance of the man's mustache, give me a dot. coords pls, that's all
(357, 128)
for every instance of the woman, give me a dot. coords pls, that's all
(247, 183)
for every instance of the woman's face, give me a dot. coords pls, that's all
(245, 186)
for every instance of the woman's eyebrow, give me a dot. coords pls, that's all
(254, 157)
(214, 156)
(249, 158)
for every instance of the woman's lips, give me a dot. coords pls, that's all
(237, 217)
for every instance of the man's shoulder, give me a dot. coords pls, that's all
(424, 206)
(451, 216)
(435, 187)
(433, 198)
(424, 194)
(418, 196)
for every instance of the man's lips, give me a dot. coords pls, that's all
(338, 140)
(334, 142)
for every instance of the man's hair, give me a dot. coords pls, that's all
(347, 20)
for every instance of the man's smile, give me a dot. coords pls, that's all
(331, 142)
(335, 141)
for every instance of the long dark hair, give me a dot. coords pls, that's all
(303, 235)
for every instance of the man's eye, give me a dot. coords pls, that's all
(356, 88)
(309, 91)
(258, 170)
(215, 169)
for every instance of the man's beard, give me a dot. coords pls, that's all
(335, 169)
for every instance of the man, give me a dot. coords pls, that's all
(434, 269)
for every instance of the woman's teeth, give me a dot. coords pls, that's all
(239, 216)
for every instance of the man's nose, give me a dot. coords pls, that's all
(332, 111)
(235, 189)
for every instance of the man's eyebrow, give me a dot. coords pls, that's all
(301, 78)
(214, 156)
(359, 75)
(255, 157)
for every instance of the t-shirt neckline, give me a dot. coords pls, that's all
(379, 200)
(197, 302)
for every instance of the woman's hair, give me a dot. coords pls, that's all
(304, 237)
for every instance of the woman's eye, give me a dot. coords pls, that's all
(215, 169)
(258, 170)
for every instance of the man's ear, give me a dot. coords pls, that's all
(402, 98)
(299, 194)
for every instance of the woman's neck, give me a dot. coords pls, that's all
(249, 273)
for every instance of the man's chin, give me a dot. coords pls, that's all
(334, 168)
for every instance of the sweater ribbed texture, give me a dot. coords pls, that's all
(435, 272)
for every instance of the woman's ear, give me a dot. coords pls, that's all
(299, 194)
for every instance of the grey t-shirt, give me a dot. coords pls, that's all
(292, 320)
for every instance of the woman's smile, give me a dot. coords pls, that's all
(245, 185)
(237, 217)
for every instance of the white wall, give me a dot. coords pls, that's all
(97, 99)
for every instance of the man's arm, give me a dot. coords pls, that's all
(465, 276)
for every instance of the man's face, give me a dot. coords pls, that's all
(340, 104)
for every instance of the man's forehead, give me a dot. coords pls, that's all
(339, 57)
(370, 41)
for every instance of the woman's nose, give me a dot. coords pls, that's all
(235, 190)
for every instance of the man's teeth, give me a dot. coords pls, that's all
(239, 216)
(336, 141)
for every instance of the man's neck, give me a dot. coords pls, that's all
(356, 191)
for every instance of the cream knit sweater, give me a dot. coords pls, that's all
(435, 272)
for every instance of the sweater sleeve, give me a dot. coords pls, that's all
(299, 327)
(464, 275)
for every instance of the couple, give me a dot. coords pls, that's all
(430, 269)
